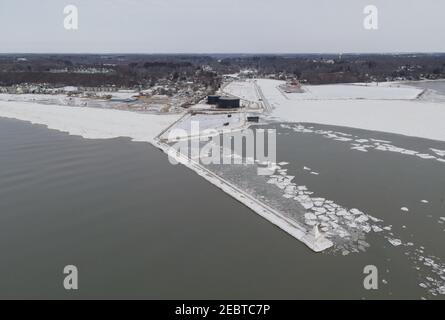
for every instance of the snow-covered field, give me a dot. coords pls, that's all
(407, 117)
(355, 91)
(90, 123)
(63, 99)
(242, 89)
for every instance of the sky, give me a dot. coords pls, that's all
(221, 26)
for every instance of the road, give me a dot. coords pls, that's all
(266, 105)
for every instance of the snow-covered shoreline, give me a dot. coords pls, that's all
(399, 116)
(387, 109)
(90, 123)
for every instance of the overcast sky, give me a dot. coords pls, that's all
(222, 26)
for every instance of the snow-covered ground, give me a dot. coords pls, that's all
(90, 123)
(198, 124)
(408, 117)
(63, 99)
(355, 91)
(242, 89)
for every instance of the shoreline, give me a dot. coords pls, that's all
(35, 114)
(93, 123)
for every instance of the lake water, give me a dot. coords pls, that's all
(437, 85)
(138, 227)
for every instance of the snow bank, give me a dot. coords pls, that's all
(411, 118)
(90, 123)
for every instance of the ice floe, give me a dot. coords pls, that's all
(346, 227)
(366, 145)
(395, 242)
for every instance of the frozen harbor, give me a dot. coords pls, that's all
(329, 183)
(383, 199)
(83, 186)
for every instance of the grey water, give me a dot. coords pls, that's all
(437, 85)
(138, 227)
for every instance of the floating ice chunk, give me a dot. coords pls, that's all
(302, 198)
(425, 156)
(381, 148)
(320, 210)
(410, 152)
(310, 216)
(341, 213)
(311, 222)
(362, 149)
(343, 233)
(287, 196)
(366, 228)
(307, 169)
(334, 225)
(376, 229)
(315, 173)
(362, 219)
(355, 211)
(381, 141)
(438, 152)
(442, 218)
(374, 219)
(425, 201)
(404, 209)
(283, 163)
(395, 242)
(308, 205)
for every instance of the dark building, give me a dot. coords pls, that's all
(213, 99)
(229, 103)
(255, 119)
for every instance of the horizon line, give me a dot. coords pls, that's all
(227, 53)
